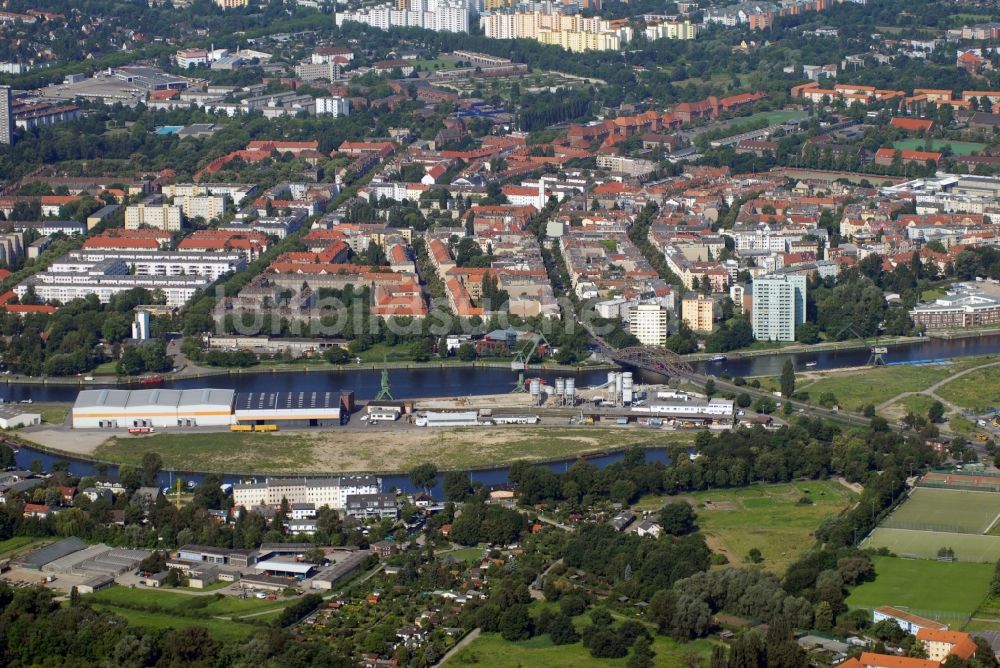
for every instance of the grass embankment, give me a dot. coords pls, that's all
(987, 616)
(372, 449)
(948, 592)
(768, 517)
(156, 609)
(918, 404)
(489, 649)
(854, 388)
(51, 413)
(977, 390)
(20, 544)
(857, 387)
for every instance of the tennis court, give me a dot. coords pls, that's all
(976, 482)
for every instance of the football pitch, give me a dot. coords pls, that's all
(931, 519)
(916, 586)
(946, 510)
(957, 147)
(969, 547)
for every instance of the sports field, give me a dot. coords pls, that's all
(957, 147)
(963, 480)
(948, 592)
(969, 547)
(946, 510)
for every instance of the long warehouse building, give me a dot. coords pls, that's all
(289, 409)
(122, 409)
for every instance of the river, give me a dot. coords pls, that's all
(493, 476)
(921, 351)
(466, 381)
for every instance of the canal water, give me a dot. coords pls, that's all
(922, 351)
(493, 476)
(469, 381)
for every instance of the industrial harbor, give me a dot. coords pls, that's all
(619, 401)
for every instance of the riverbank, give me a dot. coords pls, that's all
(743, 361)
(798, 348)
(951, 334)
(312, 367)
(371, 450)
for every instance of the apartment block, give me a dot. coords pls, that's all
(168, 217)
(648, 323)
(672, 30)
(697, 312)
(779, 304)
(570, 31)
(6, 116)
(208, 207)
(333, 106)
(331, 492)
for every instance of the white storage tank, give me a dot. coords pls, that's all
(627, 387)
(571, 391)
(535, 389)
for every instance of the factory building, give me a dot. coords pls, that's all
(289, 409)
(284, 568)
(122, 409)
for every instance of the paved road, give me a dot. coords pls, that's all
(462, 644)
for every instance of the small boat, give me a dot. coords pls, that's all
(717, 358)
(811, 364)
(151, 380)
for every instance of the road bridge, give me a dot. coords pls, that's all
(665, 362)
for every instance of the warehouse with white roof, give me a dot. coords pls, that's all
(123, 409)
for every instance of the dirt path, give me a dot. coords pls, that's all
(855, 487)
(716, 545)
(459, 646)
(930, 391)
(535, 593)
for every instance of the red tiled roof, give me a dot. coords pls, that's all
(870, 659)
(890, 153)
(911, 124)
